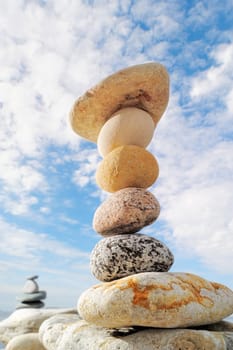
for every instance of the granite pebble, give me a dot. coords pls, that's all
(127, 254)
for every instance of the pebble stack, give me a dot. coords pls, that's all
(120, 115)
(31, 295)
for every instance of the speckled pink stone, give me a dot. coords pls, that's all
(126, 211)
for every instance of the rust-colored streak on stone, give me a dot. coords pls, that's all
(193, 286)
(218, 286)
(141, 295)
(191, 293)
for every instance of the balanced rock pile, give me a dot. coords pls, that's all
(120, 115)
(31, 296)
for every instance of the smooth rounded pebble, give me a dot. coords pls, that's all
(129, 126)
(127, 166)
(144, 86)
(156, 299)
(59, 333)
(30, 286)
(126, 211)
(32, 296)
(123, 255)
(28, 341)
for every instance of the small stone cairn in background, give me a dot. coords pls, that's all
(120, 114)
(31, 296)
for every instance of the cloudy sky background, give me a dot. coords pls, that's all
(50, 53)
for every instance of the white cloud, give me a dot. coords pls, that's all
(195, 185)
(216, 81)
(45, 210)
(68, 220)
(32, 246)
(202, 223)
(87, 161)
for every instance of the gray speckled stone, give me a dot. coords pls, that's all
(126, 211)
(123, 255)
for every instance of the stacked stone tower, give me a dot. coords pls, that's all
(31, 297)
(120, 115)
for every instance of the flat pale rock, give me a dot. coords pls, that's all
(129, 126)
(126, 211)
(127, 166)
(123, 255)
(144, 86)
(28, 341)
(66, 332)
(25, 297)
(26, 321)
(156, 299)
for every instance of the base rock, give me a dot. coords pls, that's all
(64, 332)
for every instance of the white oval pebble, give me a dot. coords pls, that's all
(30, 286)
(129, 126)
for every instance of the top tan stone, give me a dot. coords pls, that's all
(144, 86)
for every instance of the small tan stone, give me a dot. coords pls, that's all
(127, 166)
(28, 341)
(156, 299)
(126, 211)
(144, 86)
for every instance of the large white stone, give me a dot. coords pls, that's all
(28, 341)
(64, 332)
(128, 126)
(156, 299)
(26, 321)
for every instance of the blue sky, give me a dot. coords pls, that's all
(50, 53)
